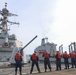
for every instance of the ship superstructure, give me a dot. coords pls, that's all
(45, 45)
(8, 42)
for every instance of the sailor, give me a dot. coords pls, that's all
(58, 60)
(46, 56)
(66, 62)
(18, 60)
(73, 59)
(34, 59)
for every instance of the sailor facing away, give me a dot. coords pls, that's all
(58, 60)
(34, 59)
(66, 60)
(73, 59)
(46, 56)
(18, 60)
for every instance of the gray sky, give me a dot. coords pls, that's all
(55, 19)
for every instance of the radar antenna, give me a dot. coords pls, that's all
(4, 20)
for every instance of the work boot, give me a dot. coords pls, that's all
(20, 73)
(60, 68)
(39, 72)
(15, 73)
(72, 67)
(56, 69)
(30, 72)
(50, 70)
(65, 68)
(45, 70)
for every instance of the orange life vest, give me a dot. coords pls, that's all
(73, 55)
(18, 56)
(66, 55)
(46, 55)
(58, 55)
(34, 56)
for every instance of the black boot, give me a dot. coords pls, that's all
(15, 73)
(30, 72)
(45, 70)
(20, 73)
(39, 71)
(50, 70)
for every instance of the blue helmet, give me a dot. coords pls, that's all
(45, 50)
(65, 51)
(18, 51)
(35, 51)
(57, 51)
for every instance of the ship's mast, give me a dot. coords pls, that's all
(4, 20)
(4, 24)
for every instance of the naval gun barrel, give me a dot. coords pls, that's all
(29, 42)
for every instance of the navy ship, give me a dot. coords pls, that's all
(8, 43)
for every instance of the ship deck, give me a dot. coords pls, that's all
(26, 70)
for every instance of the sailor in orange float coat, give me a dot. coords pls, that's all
(34, 59)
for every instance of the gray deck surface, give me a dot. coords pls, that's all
(26, 70)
